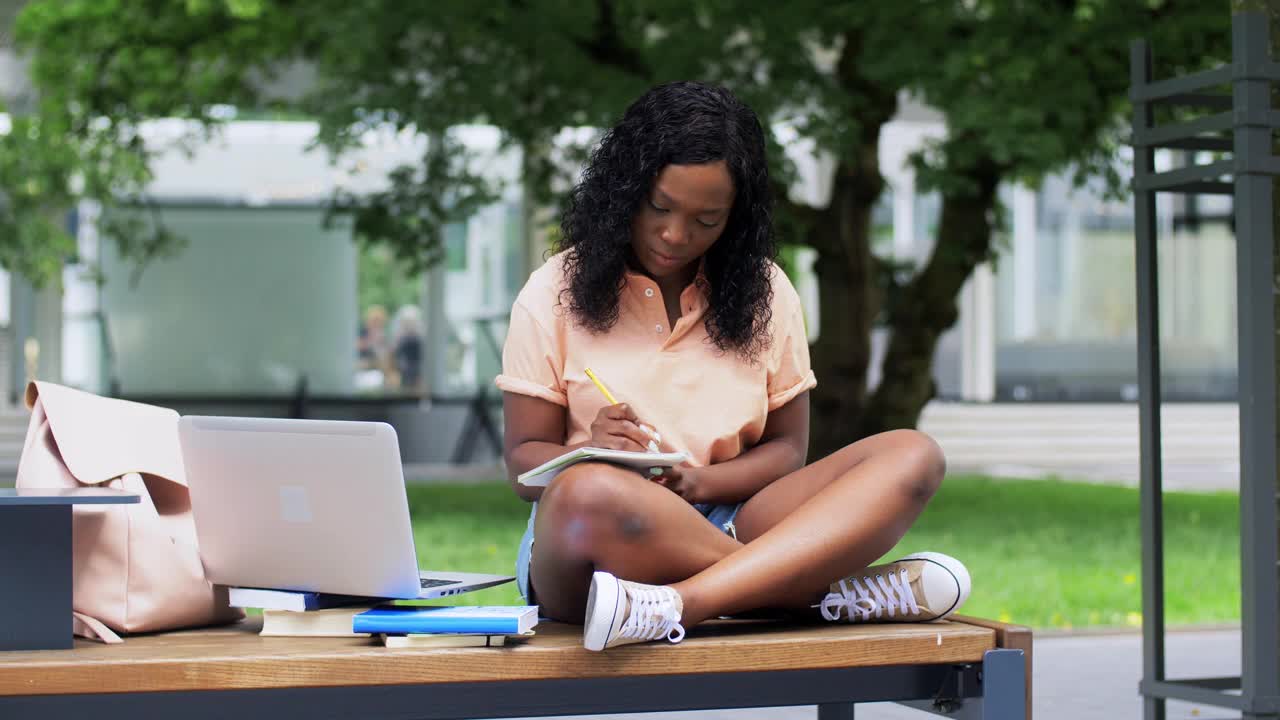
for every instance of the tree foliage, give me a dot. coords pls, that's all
(1025, 88)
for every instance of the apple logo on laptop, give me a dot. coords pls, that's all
(294, 505)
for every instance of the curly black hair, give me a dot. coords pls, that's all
(680, 123)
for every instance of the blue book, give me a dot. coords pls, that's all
(488, 619)
(295, 600)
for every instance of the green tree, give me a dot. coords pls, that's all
(1026, 88)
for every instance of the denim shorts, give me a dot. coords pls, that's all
(722, 516)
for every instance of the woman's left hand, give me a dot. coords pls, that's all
(681, 480)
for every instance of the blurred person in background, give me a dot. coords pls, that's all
(406, 348)
(372, 349)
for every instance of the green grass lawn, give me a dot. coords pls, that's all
(1042, 553)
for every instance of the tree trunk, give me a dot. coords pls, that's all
(928, 304)
(849, 299)
(848, 290)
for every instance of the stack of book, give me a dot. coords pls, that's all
(287, 613)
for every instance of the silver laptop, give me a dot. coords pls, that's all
(314, 505)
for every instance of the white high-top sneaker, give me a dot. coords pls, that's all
(620, 612)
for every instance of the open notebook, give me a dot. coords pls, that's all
(642, 461)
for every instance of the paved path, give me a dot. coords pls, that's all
(1096, 442)
(1076, 677)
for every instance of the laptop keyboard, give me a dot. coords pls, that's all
(436, 582)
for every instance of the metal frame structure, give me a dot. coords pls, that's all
(994, 689)
(1240, 128)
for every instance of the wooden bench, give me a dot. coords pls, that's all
(967, 668)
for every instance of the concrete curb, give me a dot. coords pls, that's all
(1113, 631)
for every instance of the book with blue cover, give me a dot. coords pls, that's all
(487, 619)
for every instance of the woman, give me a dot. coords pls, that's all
(666, 287)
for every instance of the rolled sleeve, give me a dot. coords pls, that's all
(532, 360)
(789, 371)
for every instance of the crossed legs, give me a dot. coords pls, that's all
(796, 536)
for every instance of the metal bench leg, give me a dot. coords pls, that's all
(1003, 688)
(1004, 685)
(835, 711)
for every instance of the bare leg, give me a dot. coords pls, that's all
(600, 517)
(818, 524)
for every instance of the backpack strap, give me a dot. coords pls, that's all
(92, 628)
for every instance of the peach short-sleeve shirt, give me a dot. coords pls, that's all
(711, 404)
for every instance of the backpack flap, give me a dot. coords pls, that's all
(103, 438)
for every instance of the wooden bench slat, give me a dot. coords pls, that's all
(237, 658)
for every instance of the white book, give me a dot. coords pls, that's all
(425, 640)
(542, 475)
(330, 622)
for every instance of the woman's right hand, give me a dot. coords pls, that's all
(616, 427)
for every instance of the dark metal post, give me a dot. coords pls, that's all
(1148, 305)
(35, 577)
(1255, 299)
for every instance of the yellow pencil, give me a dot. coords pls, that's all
(604, 390)
(653, 444)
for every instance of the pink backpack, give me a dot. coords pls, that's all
(135, 568)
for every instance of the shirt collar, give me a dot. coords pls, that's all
(697, 293)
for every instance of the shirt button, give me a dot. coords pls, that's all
(657, 328)
(648, 292)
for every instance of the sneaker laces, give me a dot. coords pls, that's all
(653, 613)
(871, 595)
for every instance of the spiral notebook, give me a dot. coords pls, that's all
(642, 461)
